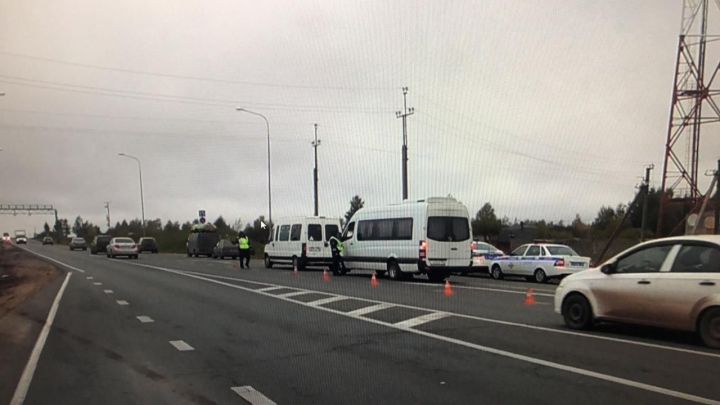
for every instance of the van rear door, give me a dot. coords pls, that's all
(448, 239)
(315, 243)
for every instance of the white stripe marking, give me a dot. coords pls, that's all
(144, 319)
(89, 277)
(181, 345)
(273, 288)
(55, 261)
(108, 291)
(26, 378)
(328, 300)
(294, 294)
(541, 294)
(97, 283)
(419, 320)
(122, 302)
(253, 396)
(370, 309)
(499, 352)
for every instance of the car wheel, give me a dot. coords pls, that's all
(393, 271)
(709, 327)
(540, 276)
(496, 272)
(268, 262)
(576, 312)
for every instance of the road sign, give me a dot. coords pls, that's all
(201, 213)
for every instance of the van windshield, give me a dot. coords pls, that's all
(448, 229)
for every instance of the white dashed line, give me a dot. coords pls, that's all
(253, 396)
(97, 283)
(108, 291)
(294, 294)
(122, 302)
(370, 309)
(181, 345)
(89, 278)
(53, 260)
(266, 289)
(419, 320)
(144, 319)
(328, 300)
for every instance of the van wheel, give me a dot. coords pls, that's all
(393, 271)
(709, 327)
(540, 276)
(496, 273)
(268, 262)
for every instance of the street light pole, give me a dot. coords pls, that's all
(267, 125)
(142, 200)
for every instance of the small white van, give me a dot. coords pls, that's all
(301, 241)
(430, 236)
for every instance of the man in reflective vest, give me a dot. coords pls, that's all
(244, 246)
(337, 248)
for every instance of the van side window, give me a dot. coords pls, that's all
(284, 233)
(295, 232)
(349, 231)
(402, 229)
(314, 232)
(331, 230)
(385, 229)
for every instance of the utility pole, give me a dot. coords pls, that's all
(646, 192)
(717, 199)
(404, 114)
(107, 207)
(315, 145)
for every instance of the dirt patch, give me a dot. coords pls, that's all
(22, 275)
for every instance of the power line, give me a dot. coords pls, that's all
(189, 77)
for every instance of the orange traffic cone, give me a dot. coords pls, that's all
(373, 281)
(326, 276)
(530, 297)
(448, 289)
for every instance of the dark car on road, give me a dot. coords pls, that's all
(99, 244)
(77, 243)
(47, 241)
(147, 244)
(201, 243)
(226, 248)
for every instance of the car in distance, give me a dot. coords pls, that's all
(77, 244)
(669, 282)
(539, 262)
(482, 254)
(225, 248)
(202, 240)
(147, 244)
(122, 247)
(99, 244)
(47, 241)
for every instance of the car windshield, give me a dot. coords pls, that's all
(560, 251)
(123, 240)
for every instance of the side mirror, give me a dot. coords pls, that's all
(607, 269)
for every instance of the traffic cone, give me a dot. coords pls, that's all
(373, 281)
(326, 276)
(530, 297)
(448, 289)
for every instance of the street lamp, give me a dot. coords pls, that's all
(267, 124)
(142, 201)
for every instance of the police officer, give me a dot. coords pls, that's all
(337, 248)
(244, 246)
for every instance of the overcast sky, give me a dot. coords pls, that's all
(543, 108)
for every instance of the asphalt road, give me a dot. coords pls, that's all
(296, 338)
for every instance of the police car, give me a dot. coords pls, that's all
(482, 254)
(539, 262)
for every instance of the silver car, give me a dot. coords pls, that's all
(669, 282)
(122, 247)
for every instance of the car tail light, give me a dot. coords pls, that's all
(560, 263)
(116, 246)
(423, 249)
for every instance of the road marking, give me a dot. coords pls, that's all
(89, 277)
(467, 287)
(419, 320)
(253, 396)
(294, 294)
(97, 283)
(181, 345)
(273, 288)
(370, 309)
(108, 291)
(53, 260)
(328, 300)
(26, 378)
(144, 319)
(122, 302)
(486, 349)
